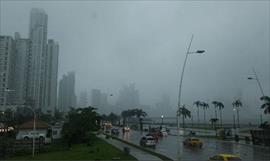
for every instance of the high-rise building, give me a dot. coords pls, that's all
(38, 38)
(99, 100)
(22, 53)
(6, 70)
(66, 93)
(29, 67)
(83, 102)
(51, 72)
(95, 98)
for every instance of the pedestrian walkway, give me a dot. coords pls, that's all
(137, 153)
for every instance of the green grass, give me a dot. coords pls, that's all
(99, 150)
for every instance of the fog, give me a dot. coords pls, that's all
(111, 44)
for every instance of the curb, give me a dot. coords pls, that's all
(161, 156)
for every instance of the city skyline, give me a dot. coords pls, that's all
(145, 51)
(31, 66)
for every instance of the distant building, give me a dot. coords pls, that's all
(22, 53)
(38, 37)
(51, 72)
(99, 100)
(66, 93)
(95, 98)
(6, 70)
(128, 97)
(83, 99)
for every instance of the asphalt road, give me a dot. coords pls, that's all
(170, 147)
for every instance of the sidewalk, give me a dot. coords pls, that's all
(137, 153)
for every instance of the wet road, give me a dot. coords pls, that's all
(169, 147)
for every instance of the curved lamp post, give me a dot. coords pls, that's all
(180, 90)
(259, 84)
(181, 81)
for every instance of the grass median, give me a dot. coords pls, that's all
(100, 150)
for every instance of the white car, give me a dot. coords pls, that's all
(164, 133)
(148, 141)
(31, 134)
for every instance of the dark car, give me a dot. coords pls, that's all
(115, 132)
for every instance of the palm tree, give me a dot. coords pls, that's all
(214, 122)
(139, 113)
(220, 107)
(204, 106)
(184, 112)
(125, 114)
(266, 105)
(215, 103)
(237, 103)
(197, 104)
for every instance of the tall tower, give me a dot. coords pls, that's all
(38, 38)
(66, 95)
(6, 71)
(51, 72)
(22, 52)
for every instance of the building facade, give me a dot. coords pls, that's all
(6, 70)
(51, 73)
(38, 38)
(66, 93)
(22, 53)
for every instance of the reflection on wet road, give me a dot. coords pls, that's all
(168, 146)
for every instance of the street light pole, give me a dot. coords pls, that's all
(180, 88)
(181, 82)
(258, 81)
(260, 87)
(162, 120)
(34, 131)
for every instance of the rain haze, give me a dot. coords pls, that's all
(109, 44)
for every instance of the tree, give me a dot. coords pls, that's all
(204, 106)
(220, 107)
(184, 112)
(215, 103)
(139, 113)
(266, 104)
(113, 118)
(237, 104)
(197, 104)
(214, 122)
(79, 124)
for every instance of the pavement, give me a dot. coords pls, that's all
(170, 147)
(135, 152)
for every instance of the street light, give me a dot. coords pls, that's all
(260, 86)
(34, 130)
(162, 120)
(181, 81)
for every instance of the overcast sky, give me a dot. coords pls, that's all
(109, 44)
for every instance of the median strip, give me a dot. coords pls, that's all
(161, 156)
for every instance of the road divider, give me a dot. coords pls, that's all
(161, 156)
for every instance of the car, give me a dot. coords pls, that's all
(154, 135)
(192, 133)
(164, 133)
(30, 135)
(193, 142)
(148, 141)
(225, 157)
(126, 129)
(115, 132)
